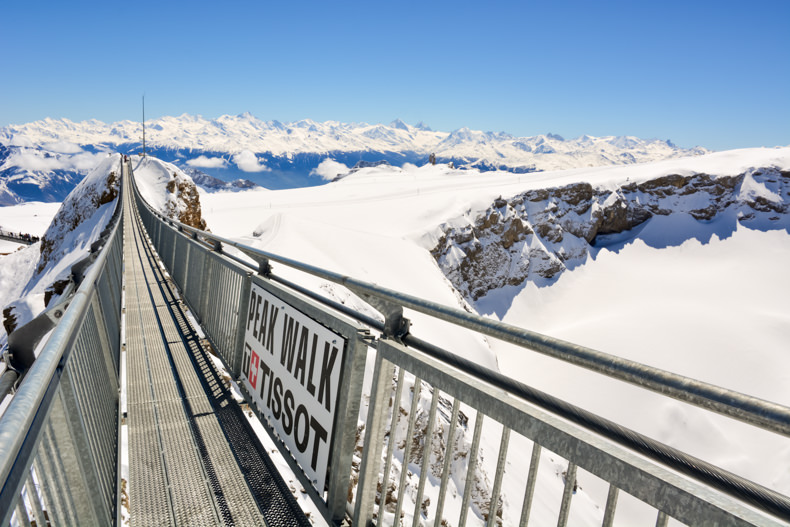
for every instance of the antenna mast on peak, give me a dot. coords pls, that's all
(143, 125)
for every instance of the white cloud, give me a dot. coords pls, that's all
(85, 161)
(34, 160)
(63, 147)
(248, 162)
(207, 162)
(21, 140)
(329, 169)
(39, 160)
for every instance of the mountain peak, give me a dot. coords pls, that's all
(297, 147)
(400, 125)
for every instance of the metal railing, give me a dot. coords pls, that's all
(59, 460)
(216, 286)
(24, 239)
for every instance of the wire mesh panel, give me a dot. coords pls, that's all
(456, 451)
(194, 280)
(108, 288)
(219, 307)
(179, 269)
(64, 416)
(90, 388)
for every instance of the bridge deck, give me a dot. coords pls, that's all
(192, 460)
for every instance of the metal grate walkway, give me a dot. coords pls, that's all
(192, 460)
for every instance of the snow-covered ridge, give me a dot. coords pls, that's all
(244, 133)
(538, 234)
(169, 190)
(78, 223)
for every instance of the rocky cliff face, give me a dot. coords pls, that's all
(75, 210)
(78, 223)
(539, 234)
(184, 204)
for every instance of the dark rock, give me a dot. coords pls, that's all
(55, 289)
(9, 319)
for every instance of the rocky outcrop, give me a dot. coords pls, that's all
(9, 319)
(184, 202)
(212, 184)
(79, 222)
(359, 166)
(78, 207)
(540, 233)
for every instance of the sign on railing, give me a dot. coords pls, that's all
(291, 367)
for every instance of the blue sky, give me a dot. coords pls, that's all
(715, 74)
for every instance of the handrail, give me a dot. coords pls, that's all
(736, 405)
(31, 401)
(714, 476)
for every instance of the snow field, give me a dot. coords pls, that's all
(17, 268)
(704, 300)
(715, 312)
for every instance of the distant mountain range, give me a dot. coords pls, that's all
(286, 155)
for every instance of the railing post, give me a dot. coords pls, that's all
(370, 465)
(345, 441)
(244, 306)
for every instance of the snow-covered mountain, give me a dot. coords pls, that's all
(79, 222)
(45, 173)
(39, 273)
(283, 155)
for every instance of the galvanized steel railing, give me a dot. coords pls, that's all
(59, 462)
(217, 290)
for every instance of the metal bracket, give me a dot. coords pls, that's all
(23, 341)
(366, 336)
(264, 267)
(78, 271)
(396, 326)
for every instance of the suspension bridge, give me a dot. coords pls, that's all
(157, 298)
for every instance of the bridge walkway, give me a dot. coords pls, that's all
(193, 459)
(17, 239)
